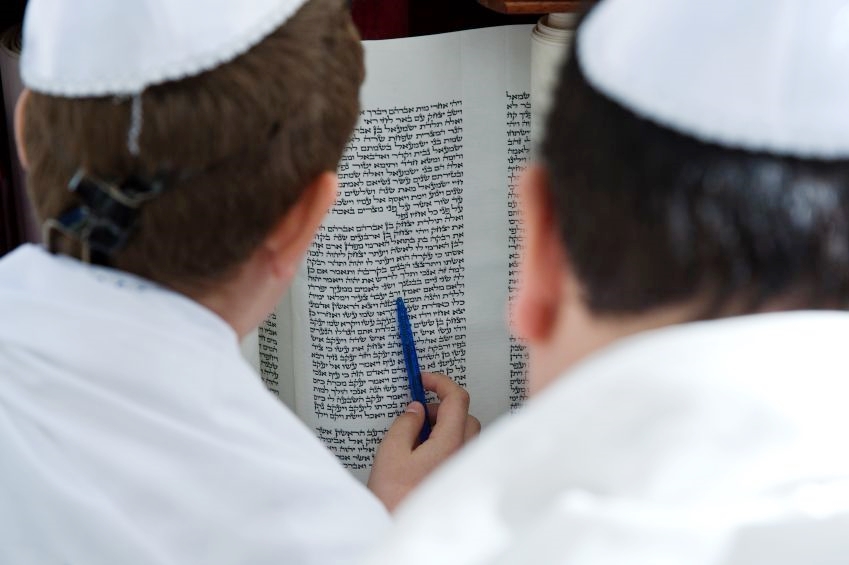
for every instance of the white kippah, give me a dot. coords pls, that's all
(763, 75)
(77, 48)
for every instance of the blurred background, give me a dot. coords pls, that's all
(13, 208)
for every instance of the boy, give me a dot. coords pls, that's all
(187, 150)
(686, 272)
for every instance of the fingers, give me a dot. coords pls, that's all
(453, 408)
(400, 463)
(404, 432)
(473, 425)
(441, 384)
(432, 412)
(473, 428)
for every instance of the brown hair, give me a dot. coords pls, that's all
(236, 146)
(652, 217)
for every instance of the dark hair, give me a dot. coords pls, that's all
(650, 217)
(238, 144)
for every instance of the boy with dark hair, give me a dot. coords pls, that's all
(185, 151)
(685, 276)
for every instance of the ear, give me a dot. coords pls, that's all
(289, 240)
(540, 297)
(20, 110)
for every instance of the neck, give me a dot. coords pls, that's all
(579, 333)
(245, 299)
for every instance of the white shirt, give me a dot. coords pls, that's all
(714, 443)
(132, 431)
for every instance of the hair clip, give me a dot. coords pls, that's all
(105, 219)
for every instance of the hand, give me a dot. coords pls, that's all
(401, 463)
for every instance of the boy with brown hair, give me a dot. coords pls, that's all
(185, 151)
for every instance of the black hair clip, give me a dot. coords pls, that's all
(106, 218)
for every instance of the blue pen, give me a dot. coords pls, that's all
(411, 363)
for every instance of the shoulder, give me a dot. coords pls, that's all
(634, 451)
